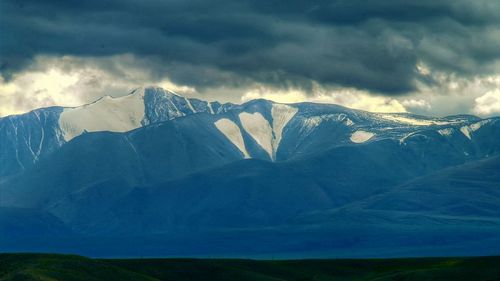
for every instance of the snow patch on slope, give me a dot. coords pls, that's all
(445, 132)
(476, 126)
(233, 133)
(107, 114)
(343, 118)
(466, 131)
(311, 122)
(314, 121)
(412, 121)
(259, 129)
(361, 136)
(349, 122)
(282, 114)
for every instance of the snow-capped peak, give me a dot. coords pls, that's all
(144, 105)
(107, 114)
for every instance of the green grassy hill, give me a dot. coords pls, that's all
(45, 267)
(69, 268)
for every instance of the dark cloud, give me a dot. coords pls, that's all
(372, 45)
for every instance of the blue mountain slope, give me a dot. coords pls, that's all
(259, 194)
(21, 223)
(147, 155)
(466, 195)
(472, 189)
(176, 167)
(27, 138)
(184, 145)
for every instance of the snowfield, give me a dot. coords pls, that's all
(233, 134)
(361, 136)
(107, 114)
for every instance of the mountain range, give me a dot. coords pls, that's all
(153, 173)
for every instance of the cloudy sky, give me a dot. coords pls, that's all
(434, 57)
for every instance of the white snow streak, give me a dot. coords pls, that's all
(476, 126)
(446, 132)
(361, 136)
(314, 121)
(466, 131)
(412, 121)
(190, 105)
(210, 107)
(233, 133)
(403, 139)
(259, 129)
(282, 114)
(349, 122)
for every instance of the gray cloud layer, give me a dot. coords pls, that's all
(369, 45)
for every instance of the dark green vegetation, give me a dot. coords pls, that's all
(61, 267)
(68, 268)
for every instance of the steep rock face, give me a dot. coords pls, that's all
(163, 105)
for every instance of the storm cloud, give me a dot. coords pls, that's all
(376, 46)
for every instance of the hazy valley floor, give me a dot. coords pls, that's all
(69, 268)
